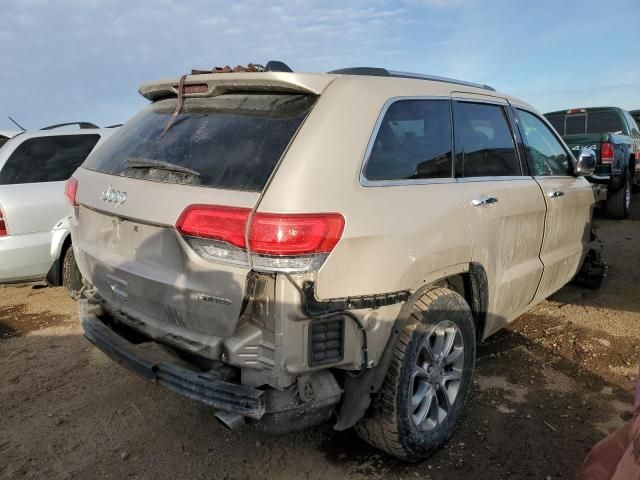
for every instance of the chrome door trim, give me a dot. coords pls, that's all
(402, 183)
(493, 179)
(399, 182)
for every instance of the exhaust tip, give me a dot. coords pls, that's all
(233, 421)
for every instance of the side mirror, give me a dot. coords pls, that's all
(586, 163)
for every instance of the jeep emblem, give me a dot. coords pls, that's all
(113, 196)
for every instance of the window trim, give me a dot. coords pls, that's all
(365, 182)
(555, 134)
(516, 142)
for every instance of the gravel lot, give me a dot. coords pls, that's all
(545, 391)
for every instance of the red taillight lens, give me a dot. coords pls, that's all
(227, 224)
(294, 234)
(606, 153)
(270, 234)
(3, 224)
(70, 191)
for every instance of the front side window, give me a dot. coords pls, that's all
(547, 155)
(487, 148)
(413, 142)
(47, 159)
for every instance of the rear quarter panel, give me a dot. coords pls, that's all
(395, 237)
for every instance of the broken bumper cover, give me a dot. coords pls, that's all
(200, 386)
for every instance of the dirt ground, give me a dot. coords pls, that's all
(545, 391)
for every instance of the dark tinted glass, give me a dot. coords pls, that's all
(413, 142)
(633, 125)
(47, 159)
(487, 143)
(557, 121)
(575, 124)
(604, 121)
(233, 141)
(547, 154)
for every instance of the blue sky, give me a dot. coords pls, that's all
(66, 60)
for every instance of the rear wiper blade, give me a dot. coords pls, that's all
(159, 165)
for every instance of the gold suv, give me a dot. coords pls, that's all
(315, 247)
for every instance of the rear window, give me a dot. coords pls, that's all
(47, 159)
(230, 141)
(557, 122)
(593, 121)
(604, 121)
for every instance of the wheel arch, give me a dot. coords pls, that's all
(469, 281)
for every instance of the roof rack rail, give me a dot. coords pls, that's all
(383, 72)
(81, 125)
(115, 125)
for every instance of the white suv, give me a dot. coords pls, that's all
(34, 227)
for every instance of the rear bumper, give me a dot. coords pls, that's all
(205, 387)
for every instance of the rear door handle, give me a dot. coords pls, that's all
(483, 200)
(556, 193)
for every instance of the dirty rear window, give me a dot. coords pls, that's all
(231, 141)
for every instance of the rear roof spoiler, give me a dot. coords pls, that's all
(219, 84)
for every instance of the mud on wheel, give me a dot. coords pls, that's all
(428, 381)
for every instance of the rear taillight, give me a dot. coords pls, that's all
(606, 153)
(294, 234)
(4, 231)
(293, 242)
(70, 191)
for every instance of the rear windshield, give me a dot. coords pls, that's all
(230, 141)
(593, 121)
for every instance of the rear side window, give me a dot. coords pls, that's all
(413, 142)
(47, 159)
(486, 143)
(230, 141)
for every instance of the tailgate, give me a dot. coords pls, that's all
(218, 152)
(578, 142)
(141, 265)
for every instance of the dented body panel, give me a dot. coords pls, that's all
(397, 237)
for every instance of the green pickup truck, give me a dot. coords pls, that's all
(615, 137)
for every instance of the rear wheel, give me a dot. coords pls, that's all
(71, 276)
(617, 203)
(428, 381)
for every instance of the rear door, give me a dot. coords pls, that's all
(504, 205)
(32, 179)
(218, 154)
(569, 202)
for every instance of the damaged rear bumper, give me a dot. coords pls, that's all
(201, 386)
(275, 411)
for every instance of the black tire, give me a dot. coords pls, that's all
(617, 203)
(389, 423)
(71, 276)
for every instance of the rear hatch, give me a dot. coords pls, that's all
(220, 150)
